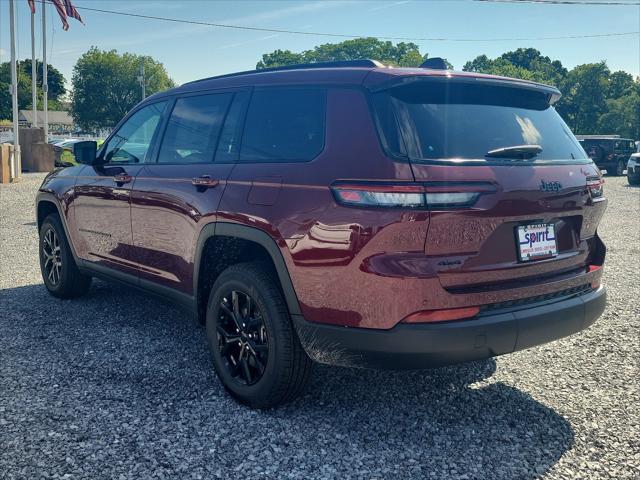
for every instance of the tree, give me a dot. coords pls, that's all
(524, 63)
(106, 87)
(620, 84)
(55, 81)
(623, 113)
(585, 97)
(405, 54)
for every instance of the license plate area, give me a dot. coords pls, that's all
(536, 242)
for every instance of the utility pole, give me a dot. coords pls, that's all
(142, 80)
(34, 72)
(14, 167)
(45, 86)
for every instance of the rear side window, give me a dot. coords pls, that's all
(438, 120)
(284, 125)
(193, 129)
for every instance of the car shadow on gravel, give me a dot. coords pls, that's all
(116, 364)
(445, 419)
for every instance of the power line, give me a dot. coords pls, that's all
(565, 2)
(340, 35)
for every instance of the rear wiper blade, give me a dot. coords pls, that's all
(515, 151)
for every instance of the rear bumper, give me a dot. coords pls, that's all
(415, 346)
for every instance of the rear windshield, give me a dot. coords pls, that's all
(444, 120)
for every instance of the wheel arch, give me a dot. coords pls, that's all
(232, 240)
(46, 204)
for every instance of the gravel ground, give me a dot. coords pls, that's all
(117, 385)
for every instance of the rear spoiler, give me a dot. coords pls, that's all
(552, 92)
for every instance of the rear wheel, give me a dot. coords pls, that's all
(255, 349)
(59, 271)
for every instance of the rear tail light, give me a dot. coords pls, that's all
(410, 195)
(431, 316)
(595, 284)
(595, 185)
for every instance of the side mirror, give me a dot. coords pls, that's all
(85, 152)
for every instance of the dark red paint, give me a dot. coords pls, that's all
(357, 267)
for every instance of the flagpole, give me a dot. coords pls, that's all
(14, 160)
(34, 72)
(45, 87)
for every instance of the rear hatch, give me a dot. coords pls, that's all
(513, 199)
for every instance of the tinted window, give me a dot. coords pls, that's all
(193, 129)
(284, 125)
(130, 144)
(602, 145)
(445, 120)
(229, 143)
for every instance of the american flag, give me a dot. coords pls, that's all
(62, 12)
(65, 10)
(32, 6)
(71, 11)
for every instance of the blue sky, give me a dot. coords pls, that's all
(191, 51)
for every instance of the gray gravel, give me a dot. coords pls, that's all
(116, 385)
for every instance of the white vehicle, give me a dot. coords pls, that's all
(633, 169)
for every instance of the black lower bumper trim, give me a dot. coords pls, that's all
(415, 346)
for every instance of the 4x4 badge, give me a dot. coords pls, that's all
(550, 186)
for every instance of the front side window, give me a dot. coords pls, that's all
(193, 129)
(438, 120)
(284, 125)
(130, 144)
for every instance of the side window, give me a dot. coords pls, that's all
(284, 125)
(229, 143)
(193, 129)
(130, 144)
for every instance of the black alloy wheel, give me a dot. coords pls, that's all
(254, 346)
(242, 337)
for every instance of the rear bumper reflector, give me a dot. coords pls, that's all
(446, 315)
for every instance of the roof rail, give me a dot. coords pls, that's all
(365, 63)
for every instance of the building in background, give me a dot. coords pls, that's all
(60, 122)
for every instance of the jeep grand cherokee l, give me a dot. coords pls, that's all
(347, 213)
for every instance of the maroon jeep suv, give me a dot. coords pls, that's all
(347, 213)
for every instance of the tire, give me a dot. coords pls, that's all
(275, 375)
(633, 180)
(59, 271)
(620, 168)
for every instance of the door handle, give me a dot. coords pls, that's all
(122, 178)
(204, 182)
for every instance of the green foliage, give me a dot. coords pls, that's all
(55, 81)
(623, 115)
(404, 54)
(585, 97)
(105, 86)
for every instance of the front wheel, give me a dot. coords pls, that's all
(633, 180)
(57, 265)
(254, 347)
